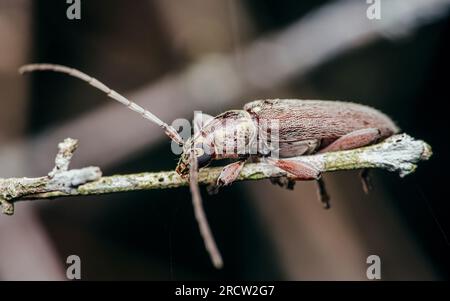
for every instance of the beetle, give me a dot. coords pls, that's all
(304, 127)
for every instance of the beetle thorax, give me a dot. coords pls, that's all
(230, 134)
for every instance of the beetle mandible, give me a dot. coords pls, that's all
(305, 127)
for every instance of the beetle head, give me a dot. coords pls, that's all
(202, 151)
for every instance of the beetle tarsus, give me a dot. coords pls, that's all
(322, 193)
(366, 180)
(284, 182)
(212, 189)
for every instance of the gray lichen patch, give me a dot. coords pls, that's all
(65, 154)
(398, 153)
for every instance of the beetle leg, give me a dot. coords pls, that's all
(303, 171)
(323, 194)
(355, 139)
(297, 148)
(227, 176)
(230, 173)
(284, 182)
(365, 179)
(300, 170)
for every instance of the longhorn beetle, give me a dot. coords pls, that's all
(305, 127)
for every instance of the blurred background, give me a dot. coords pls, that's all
(175, 57)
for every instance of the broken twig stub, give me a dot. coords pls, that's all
(60, 179)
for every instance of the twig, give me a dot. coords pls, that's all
(398, 153)
(60, 179)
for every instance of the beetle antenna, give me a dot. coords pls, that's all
(200, 215)
(170, 131)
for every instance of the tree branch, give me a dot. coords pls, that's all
(398, 153)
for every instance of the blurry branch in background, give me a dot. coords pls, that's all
(398, 153)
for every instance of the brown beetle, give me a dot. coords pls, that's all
(304, 127)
